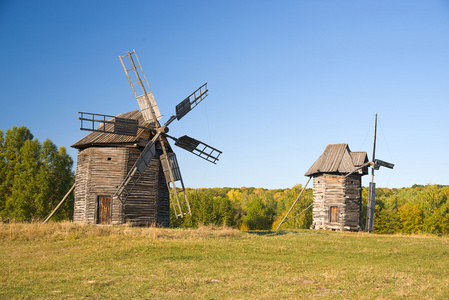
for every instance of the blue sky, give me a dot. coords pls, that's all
(285, 79)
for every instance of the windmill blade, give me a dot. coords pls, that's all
(141, 89)
(126, 126)
(171, 167)
(172, 174)
(198, 148)
(146, 103)
(137, 170)
(382, 163)
(145, 157)
(191, 101)
(109, 124)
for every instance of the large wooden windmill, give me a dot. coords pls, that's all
(126, 167)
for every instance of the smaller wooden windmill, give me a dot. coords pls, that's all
(127, 162)
(337, 185)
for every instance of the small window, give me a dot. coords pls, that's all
(333, 214)
(109, 158)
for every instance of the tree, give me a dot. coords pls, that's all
(386, 221)
(208, 207)
(258, 215)
(411, 218)
(301, 212)
(34, 176)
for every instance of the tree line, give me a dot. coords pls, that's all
(412, 210)
(246, 208)
(418, 209)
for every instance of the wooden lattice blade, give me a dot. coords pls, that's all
(171, 167)
(198, 148)
(141, 89)
(108, 124)
(191, 101)
(145, 107)
(172, 174)
(382, 163)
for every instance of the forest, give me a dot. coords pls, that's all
(35, 176)
(418, 209)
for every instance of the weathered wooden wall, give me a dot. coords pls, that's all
(336, 190)
(353, 202)
(100, 170)
(81, 179)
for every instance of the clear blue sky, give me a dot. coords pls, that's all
(286, 78)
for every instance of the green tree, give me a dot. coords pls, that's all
(258, 215)
(3, 171)
(34, 177)
(208, 207)
(386, 221)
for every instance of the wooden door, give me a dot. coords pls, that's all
(333, 214)
(104, 210)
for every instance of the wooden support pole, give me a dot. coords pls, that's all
(372, 187)
(60, 203)
(294, 204)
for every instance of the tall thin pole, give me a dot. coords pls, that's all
(372, 187)
(374, 146)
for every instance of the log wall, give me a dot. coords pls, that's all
(99, 172)
(336, 190)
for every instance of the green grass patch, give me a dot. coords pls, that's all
(64, 260)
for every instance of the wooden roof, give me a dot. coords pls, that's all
(96, 138)
(359, 158)
(337, 158)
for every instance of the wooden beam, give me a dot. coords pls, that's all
(60, 203)
(294, 204)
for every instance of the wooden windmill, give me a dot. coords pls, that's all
(337, 198)
(147, 157)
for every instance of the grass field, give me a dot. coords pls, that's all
(63, 260)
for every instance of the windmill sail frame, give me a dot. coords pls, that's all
(151, 114)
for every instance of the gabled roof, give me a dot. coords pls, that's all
(337, 158)
(359, 158)
(100, 138)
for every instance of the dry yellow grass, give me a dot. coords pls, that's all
(64, 260)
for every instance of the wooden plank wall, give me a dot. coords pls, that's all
(336, 190)
(99, 173)
(353, 200)
(81, 179)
